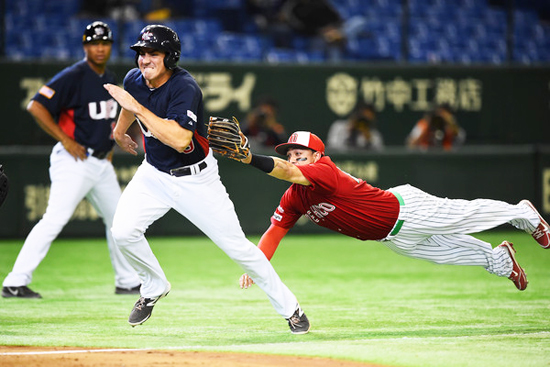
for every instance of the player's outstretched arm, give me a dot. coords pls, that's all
(277, 167)
(287, 171)
(226, 138)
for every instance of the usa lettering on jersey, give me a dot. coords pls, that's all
(103, 110)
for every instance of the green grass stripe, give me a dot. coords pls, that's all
(365, 303)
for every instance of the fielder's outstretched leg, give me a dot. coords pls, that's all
(464, 250)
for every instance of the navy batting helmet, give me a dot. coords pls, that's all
(97, 31)
(162, 38)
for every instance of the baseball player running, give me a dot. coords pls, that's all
(404, 218)
(75, 109)
(179, 172)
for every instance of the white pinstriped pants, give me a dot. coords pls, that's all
(438, 229)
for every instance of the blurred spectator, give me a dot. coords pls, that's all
(357, 132)
(316, 20)
(437, 129)
(262, 127)
(124, 10)
(162, 10)
(265, 13)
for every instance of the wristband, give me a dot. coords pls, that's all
(262, 162)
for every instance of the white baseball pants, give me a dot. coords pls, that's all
(71, 181)
(437, 229)
(204, 201)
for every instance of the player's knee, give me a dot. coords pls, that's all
(123, 234)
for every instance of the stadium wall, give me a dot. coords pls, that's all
(495, 172)
(495, 105)
(505, 111)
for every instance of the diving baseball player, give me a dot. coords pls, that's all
(404, 218)
(75, 109)
(179, 172)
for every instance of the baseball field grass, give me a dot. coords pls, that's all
(365, 303)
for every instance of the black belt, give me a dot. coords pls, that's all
(188, 170)
(98, 154)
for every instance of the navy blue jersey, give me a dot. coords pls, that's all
(84, 110)
(179, 99)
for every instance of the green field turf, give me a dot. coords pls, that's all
(365, 303)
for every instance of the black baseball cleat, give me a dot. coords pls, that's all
(144, 307)
(19, 292)
(134, 290)
(299, 324)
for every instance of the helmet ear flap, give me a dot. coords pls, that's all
(171, 60)
(172, 56)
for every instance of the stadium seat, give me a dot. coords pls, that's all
(438, 31)
(282, 56)
(238, 47)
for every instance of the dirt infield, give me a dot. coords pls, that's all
(12, 356)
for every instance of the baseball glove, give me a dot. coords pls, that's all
(225, 138)
(4, 185)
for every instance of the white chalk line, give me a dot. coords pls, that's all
(71, 351)
(238, 346)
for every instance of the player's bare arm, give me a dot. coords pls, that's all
(288, 171)
(283, 170)
(125, 141)
(167, 131)
(268, 244)
(46, 122)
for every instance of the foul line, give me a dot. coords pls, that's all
(228, 348)
(72, 351)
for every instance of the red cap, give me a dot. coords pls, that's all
(302, 139)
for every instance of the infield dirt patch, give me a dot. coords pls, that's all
(12, 356)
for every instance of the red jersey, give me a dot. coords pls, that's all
(338, 201)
